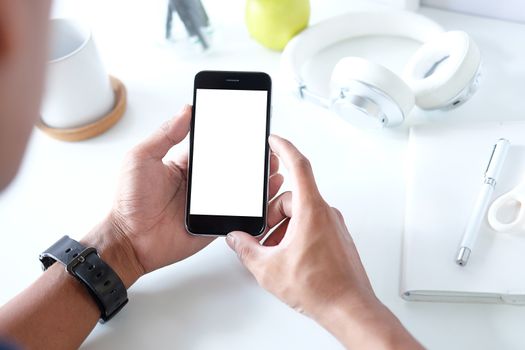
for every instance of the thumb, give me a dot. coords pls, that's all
(247, 247)
(168, 135)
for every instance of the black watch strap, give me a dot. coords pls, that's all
(85, 264)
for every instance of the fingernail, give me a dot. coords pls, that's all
(230, 239)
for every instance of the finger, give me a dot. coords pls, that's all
(181, 158)
(339, 215)
(247, 248)
(277, 235)
(169, 134)
(279, 209)
(274, 164)
(303, 181)
(274, 185)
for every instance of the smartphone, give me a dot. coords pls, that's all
(229, 153)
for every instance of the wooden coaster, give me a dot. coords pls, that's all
(97, 127)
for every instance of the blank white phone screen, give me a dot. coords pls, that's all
(229, 140)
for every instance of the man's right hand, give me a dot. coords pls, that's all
(310, 262)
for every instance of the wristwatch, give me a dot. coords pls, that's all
(102, 283)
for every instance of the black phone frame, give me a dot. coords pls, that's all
(220, 225)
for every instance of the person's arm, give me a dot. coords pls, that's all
(369, 326)
(144, 232)
(56, 311)
(310, 262)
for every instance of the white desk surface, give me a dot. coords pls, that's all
(210, 301)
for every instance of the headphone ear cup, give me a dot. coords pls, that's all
(442, 69)
(372, 89)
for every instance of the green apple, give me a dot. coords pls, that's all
(274, 22)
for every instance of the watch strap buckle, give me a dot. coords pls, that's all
(79, 259)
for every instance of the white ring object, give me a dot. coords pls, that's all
(442, 68)
(514, 198)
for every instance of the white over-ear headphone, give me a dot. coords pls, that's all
(442, 74)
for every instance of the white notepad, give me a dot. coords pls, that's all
(445, 173)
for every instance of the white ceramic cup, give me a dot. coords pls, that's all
(78, 88)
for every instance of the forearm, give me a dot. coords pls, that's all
(366, 326)
(56, 311)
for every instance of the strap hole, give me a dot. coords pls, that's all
(91, 267)
(68, 250)
(75, 255)
(99, 274)
(107, 283)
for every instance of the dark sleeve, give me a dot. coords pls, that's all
(7, 346)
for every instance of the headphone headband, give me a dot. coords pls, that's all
(351, 25)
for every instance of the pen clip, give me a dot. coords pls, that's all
(490, 160)
(497, 158)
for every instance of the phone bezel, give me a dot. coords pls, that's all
(219, 225)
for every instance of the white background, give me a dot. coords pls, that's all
(513, 10)
(209, 301)
(228, 152)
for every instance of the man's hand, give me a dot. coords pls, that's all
(150, 203)
(149, 209)
(310, 262)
